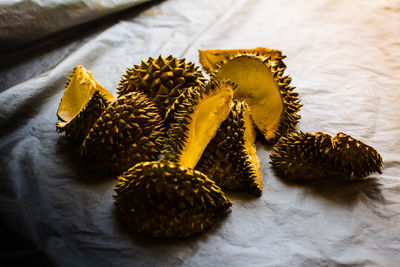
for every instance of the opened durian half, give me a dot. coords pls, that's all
(261, 84)
(163, 199)
(195, 121)
(312, 156)
(130, 131)
(230, 158)
(162, 79)
(83, 102)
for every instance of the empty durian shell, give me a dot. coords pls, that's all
(303, 156)
(83, 102)
(261, 84)
(162, 79)
(163, 199)
(312, 156)
(355, 158)
(196, 120)
(129, 131)
(209, 59)
(230, 158)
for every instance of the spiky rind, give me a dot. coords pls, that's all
(169, 115)
(312, 156)
(210, 58)
(355, 158)
(303, 156)
(129, 131)
(226, 159)
(181, 117)
(163, 199)
(80, 125)
(290, 101)
(162, 79)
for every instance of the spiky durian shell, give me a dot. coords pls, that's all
(226, 160)
(355, 158)
(303, 156)
(129, 131)
(180, 117)
(163, 199)
(98, 100)
(289, 116)
(311, 156)
(170, 114)
(80, 125)
(162, 79)
(209, 59)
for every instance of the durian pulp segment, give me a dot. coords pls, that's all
(77, 94)
(205, 122)
(258, 88)
(249, 144)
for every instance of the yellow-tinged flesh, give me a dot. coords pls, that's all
(77, 94)
(80, 88)
(249, 145)
(210, 58)
(258, 88)
(206, 119)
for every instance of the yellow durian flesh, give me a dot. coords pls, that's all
(206, 120)
(258, 88)
(209, 59)
(80, 88)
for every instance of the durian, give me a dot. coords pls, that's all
(196, 119)
(355, 158)
(209, 59)
(230, 158)
(162, 79)
(129, 131)
(312, 156)
(163, 199)
(261, 84)
(83, 102)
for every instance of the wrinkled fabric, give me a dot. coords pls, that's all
(343, 57)
(22, 21)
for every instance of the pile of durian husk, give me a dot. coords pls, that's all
(175, 140)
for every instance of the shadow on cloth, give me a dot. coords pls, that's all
(340, 190)
(16, 250)
(169, 246)
(68, 151)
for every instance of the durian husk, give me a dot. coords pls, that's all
(83, 102)
(130, 131)
(355, 159)
(303, 156)
(209, 59)
(314, 156)
(230, 158)
(196, 119)
(260, 83)
(162, 79)
(163, 199)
